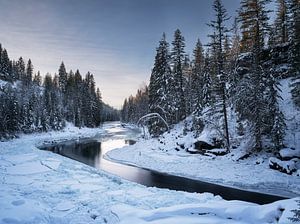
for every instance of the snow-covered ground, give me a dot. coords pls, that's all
(252, 173)
(42, 187)
(166, 155)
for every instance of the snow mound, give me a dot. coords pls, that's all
(287, 167)
(207, 212)
(289, 153)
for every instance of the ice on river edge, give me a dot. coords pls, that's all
(43, 187)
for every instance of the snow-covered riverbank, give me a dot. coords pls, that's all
(168, 154)
(252, 173)
(42, 187)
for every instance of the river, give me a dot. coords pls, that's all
(91, 152)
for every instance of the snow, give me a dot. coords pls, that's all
(292, 115)
(225, 170)
(2, 83)
(43, 187)
(207, 212)
(253, 173)
(289, 153)
(288, 166)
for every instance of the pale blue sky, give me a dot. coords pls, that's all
(113, 39)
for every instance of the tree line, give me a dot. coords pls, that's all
(30, 102)
(239, 69)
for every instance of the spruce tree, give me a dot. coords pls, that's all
(29, 72)
(176, 86)
(160, 80)
(62, 74)
(219, 38)
(5, 65)
(20, 69)
(197, 81)
(281, 23)
(275, 117)
(78, 99)
(294, 56)
(37, 80)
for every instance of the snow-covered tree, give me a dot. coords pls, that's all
(62, 74)
(29, 73)
(219, 37)
(294, 57)
(197, 81)
(160, 80)
(175, 87)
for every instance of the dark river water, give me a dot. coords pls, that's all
(91, 151)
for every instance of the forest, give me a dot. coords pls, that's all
(238, 71)
(32, 103)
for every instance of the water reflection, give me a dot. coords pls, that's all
(88, 153)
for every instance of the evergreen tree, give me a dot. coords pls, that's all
(158, 87)
(187, 84)
(37, 80)
(206, 93)
(5, 65)
(176, 84)
(276, 117)
(62, 74)
(29, 73)
(294, 57)
(70, 98)
(219, 38)
(98, 110)
(78, 100)
(197, 81)
(20, 69)
(281, 23)
(252, 72)
(253, 16)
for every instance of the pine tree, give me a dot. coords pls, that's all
(29, 73)
(254, 18)
(62, 74)
(219, 37)
(197, 81)
(160, 80)
(5, 65)
(37, 80)
(252, 72)
(281, 23)
(98, 110)
(277, 118)
(124, 111)
(176, 86)
(70, 98)
(294, 57)
(20, 69)
(206, 93)
(78, 100)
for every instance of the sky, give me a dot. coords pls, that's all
(115, 40)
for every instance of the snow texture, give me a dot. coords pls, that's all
(43, 187)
